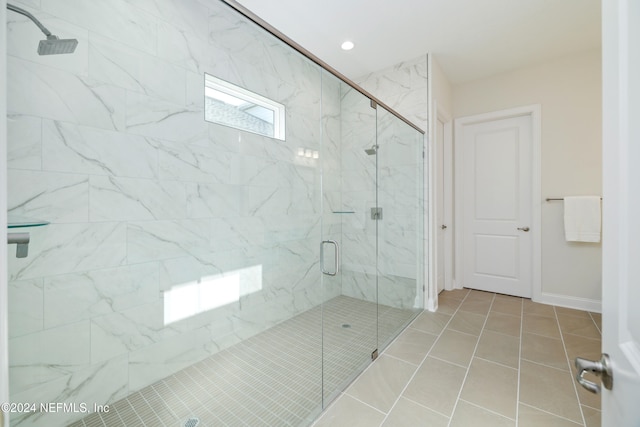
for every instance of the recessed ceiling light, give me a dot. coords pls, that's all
(347, 45)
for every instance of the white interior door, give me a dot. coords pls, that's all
(621, 216)
(496, 204)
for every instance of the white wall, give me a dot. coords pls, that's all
(569, 90)
(442, 91)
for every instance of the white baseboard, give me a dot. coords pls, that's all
(577, 303)
(432, 304)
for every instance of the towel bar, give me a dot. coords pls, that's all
(550, 199)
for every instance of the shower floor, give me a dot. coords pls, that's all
(271, 379)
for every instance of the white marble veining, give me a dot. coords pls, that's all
(158, 240)
(67, 147)
(128, 330)
(157, 361)
(184, 48)
(29, 3)
(66, 248)
(156, 118)
(27, 307)
(101, 384)
(189, 15)
(54, 197)
(44, 356)
(206, 200)
(403, 87)
(119, 20)
(72, 297)
(24, 142)
(136, 71)
(127, 199)
(47, 92)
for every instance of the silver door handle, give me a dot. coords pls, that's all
(601, 368)
(525, 229)
(336, 257)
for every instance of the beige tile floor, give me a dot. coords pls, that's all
(482, 359)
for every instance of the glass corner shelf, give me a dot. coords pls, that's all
(17, 222)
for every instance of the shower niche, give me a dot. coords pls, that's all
(181, 273)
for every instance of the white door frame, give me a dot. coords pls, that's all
(4, 335)
(534, 111)
(445, 118)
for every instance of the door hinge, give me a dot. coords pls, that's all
(374, 104)
(374, 354)
(376, 214)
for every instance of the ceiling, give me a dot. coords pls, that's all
(470, 39)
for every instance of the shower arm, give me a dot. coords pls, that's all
(30, 16)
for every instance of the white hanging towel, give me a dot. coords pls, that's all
(582, 218)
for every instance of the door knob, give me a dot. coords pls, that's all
(525, 229)
(443, 226)
(601, 368)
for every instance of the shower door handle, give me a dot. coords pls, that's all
(336, 257)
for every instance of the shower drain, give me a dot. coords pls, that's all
(191, 422)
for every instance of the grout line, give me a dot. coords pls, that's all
(541, 335)
(535, 362)
(489, 410)
(422, 405)
(466, 375)
(400, 359)
(149, 390)
(364, 403)
(582, 336)
(453, 363)
(425, 358)
(591, 407)
(133, 408)
(519, 361)
(594, 322)
(493, 362)
(573, 382)
(550, 413)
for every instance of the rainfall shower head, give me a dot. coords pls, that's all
(52, 45)
(373, 150)
(55, 46)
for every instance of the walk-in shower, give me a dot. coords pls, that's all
(53, 45)
(180, 269)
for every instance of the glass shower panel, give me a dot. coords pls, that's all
(180, 262)
(349, 192)
(400, 224)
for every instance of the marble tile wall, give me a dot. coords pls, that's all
(401, 175)
(144, 197)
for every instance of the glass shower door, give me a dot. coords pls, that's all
(400, 195)
(348, 248)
